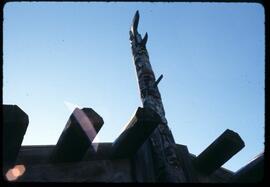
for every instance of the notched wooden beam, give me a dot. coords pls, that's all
(136, 132)
(77, 136)
(220, 151)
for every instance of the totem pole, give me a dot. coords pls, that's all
(163, 157)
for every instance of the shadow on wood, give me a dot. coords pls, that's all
(14, 127)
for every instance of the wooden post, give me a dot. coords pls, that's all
(77, 136)
(220, 151)
(135, 134)
(14, 127)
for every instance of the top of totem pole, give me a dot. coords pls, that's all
(134, 35)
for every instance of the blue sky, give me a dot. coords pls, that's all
(61, 55)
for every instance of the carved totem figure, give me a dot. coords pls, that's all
(164, 157)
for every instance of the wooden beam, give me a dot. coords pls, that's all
(103, 151)
(40, 154)
(14, 127)
(83, 171)
(77, 136)
(35, 154)
(220, 151)
(253, 172)
(137, 131)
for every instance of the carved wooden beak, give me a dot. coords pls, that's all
(134, 29)
(135, 23)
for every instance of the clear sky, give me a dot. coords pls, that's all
(61, 55)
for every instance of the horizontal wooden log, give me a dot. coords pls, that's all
(219, 152)
(39, 169)
(40, 154)
(35, 154)
(102, 152)
(137, 131)
(14, 127)
(83, 171)
(77, 136)
(253, 172)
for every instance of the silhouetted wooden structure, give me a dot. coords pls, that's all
(144, 152)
